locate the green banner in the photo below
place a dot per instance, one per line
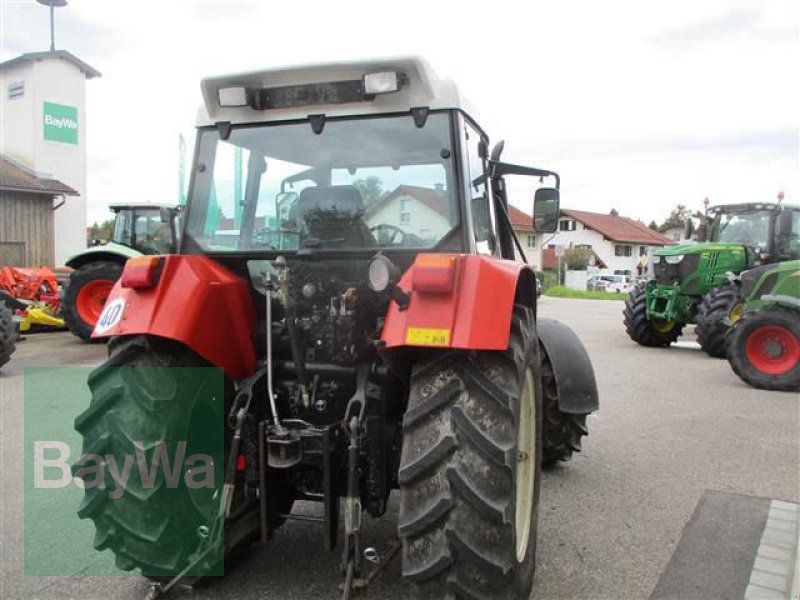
(60, 123)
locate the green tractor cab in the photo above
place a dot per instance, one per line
(689, 282)
(139, 229)
(763, 344)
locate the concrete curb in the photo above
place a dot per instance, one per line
(776, 570)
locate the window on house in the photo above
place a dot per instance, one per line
(531, 240)
(642, 250)
(676, 237)
(566, 225)
(584, 246)
(405, 213)
(16, 90)
(623, 250)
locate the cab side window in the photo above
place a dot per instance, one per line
(478, 194)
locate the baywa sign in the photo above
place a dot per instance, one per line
(60, 123)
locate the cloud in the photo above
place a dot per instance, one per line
(732, 24)
(763, 145)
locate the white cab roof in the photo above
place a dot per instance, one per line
(423, 88)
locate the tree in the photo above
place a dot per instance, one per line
(653, 225)
(101, 231)
(371, 189)
(677, 217)
(577, 259)
(614, 212)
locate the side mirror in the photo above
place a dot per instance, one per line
(546, 204)
(785, 219)
(688, 229)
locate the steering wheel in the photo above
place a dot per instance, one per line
(389, 235)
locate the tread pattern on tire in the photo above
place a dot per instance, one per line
(457, 470)
(737, 342)
(145, 528)
(92, 271)
(561, 432)
(8, 334)
(640, 328)
(711, 326)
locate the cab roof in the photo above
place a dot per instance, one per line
(421, 87)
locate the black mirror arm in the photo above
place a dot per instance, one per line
(499, 169)
(507, 223)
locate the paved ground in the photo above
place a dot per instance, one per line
(673, 424)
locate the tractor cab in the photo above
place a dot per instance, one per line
(147, 228)
(771, 232)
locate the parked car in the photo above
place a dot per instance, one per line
(610, 283)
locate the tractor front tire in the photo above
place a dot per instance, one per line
(763, 348)
(644, 331)
(711, 319)
(154, 397)
(561, 432)
(8, 334)
(86, 294)
(469, 472)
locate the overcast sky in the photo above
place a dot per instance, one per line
(639, 105)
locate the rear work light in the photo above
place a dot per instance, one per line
(142, 272)
(434, 274)
(385, 82)
(233, 96)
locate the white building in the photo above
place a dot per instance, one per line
(43, 129)
(619, 244)
(420, 211)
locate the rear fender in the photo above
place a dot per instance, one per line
(577, 387)
(195, 301)
(475, 314)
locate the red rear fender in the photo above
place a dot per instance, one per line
(474, 312)
(194, 301)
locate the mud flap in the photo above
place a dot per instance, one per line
(577, 388)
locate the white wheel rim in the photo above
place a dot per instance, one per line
(526, 465)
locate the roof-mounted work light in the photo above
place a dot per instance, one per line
(233, 96)
(384, 82)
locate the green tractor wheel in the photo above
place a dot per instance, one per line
(644, 331)
(764, 348)
(711, 320)
(8, 334)
(158, 395)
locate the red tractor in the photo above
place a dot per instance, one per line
(375, 332)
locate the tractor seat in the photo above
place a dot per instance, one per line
(329, 203)
(333, 214)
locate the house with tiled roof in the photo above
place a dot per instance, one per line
(419, 211)
(619, 244)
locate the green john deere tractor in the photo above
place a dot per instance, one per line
(763, 344)
(690, 284)
(138, 229)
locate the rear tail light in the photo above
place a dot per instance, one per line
(142, 272)
(434, 273)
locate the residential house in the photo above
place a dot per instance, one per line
(419, 211)
(619, 244)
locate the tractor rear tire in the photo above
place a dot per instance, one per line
(711, 314)
(469, 471)
(644, 331)
(773, 367)
(154, 527)
(86, 294)
(8, 334)
(561, 432)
